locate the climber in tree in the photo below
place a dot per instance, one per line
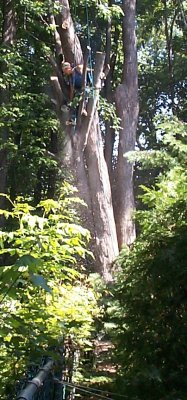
(73, 78)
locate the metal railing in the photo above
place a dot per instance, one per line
(37, 382)
(47, 384)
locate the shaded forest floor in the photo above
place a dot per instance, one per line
(99, 374)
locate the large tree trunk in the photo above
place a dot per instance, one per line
(127, 108)
(106, 246)
(87, 157)
(90, 144)
(8, 35)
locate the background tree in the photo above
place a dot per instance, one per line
(8, 36)
(150, 306)
(154, 81)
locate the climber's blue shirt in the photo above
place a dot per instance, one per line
(76, 79)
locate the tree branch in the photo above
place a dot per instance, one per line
(69, 40)
(92, 103)
(58, 44)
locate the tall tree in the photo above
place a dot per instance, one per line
(87, 147)
(8, 36)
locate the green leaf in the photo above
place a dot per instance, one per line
(28, 261)
(39, 280)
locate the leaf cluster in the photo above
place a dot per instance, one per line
(44, 293)
(149, 308)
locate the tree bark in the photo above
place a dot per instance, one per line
(69, 40)
(127, 107)
(8, 36)
(89, 141)
(110, 133)
(106, 246)
(9, 25)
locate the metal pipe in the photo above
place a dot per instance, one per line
(36, 383)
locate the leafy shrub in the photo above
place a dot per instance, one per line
(45, 294)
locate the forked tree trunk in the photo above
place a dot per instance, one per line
(87, 158)
(127, 108)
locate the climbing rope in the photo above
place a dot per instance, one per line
(89, 42)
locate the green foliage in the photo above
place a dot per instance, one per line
(44, 294)
(108, 113)
(156, 87)
(166, 133)
(108, 12)
(27, 117)
(149, 307)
